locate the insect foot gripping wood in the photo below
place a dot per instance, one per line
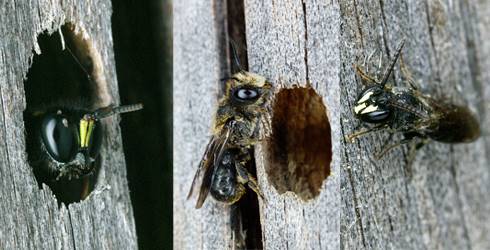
(300, 148)
(64, 119)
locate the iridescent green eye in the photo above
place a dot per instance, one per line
(59, 137)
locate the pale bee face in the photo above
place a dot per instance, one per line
(246, 89)
(371, 105)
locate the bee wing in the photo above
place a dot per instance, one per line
(207, 166)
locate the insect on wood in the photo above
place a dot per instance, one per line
(241, 121)
(409, 111)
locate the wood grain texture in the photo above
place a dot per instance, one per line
(197, 70)
(30, 218)
(440, 201)
(295, 43)
(199, 64)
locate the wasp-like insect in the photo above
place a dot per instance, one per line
(240, 122)
(67, 139)
(64, 128)
(409, 111)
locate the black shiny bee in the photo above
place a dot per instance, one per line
(409, 111)
(66, 140)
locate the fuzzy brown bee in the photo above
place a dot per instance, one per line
(241, 121)
(411, 112)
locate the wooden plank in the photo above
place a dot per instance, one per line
(365, 203)
(292, 43)
(198, 67)
(30, 217)
(437, 202)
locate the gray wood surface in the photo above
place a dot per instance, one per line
(440, 202)
(29, 217)
(292, 43)
(197, 70)
(287, 221)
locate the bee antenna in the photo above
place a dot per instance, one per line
(390, 69)
(234, 52)
(65, 45)
(111, 110)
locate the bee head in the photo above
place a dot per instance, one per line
(73, 137)
(372, 105)
(245, 88)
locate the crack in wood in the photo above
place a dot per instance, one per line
(71, 228)
(359, 27)
(351, 182)
(356, 207)
(452, 170)
(248, 207)
(305, 24)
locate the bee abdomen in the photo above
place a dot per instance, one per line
(225, 186)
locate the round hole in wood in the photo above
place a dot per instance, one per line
(299, 150)
(66, 75)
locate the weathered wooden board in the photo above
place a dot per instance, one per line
(197, 72)
(30, 218)
(292, 43)
(440, 202)
(287, 221)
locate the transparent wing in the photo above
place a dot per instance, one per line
(207, 166)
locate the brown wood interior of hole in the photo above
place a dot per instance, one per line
(300, 148)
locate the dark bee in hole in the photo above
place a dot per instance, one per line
(241, 120)
(411, 112)
(63, 120)
(68, 139)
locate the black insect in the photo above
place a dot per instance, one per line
(241, 120)
(66, 139)
(409, 111)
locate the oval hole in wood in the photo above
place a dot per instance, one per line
(58, 78)
(299, 151)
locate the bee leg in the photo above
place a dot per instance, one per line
(236, 224)
(365, 78)
(367, 59)
(266, 127)
(380, 63)
(252, 184)
(246, 178)
(390, 147)
(350, 138)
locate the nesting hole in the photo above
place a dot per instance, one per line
(59, 78)
(299, 151)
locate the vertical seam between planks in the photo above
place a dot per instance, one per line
(305, 24)
(72, 230)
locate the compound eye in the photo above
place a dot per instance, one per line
(377, 116)
(246, 94)
(59, 138)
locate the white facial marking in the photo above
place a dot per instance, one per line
(359, 107)
(369, 109)
(365, 97)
